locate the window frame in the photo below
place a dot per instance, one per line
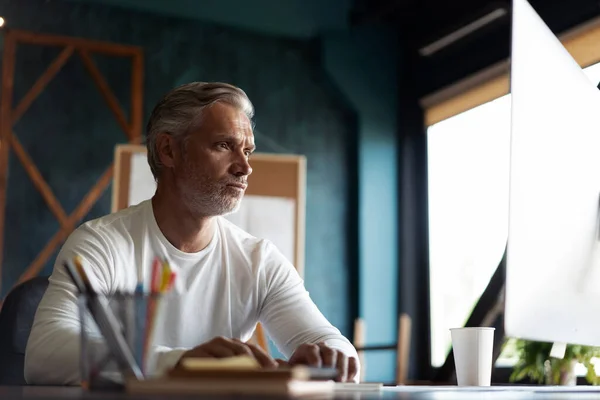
(489, 84)
(493, 82)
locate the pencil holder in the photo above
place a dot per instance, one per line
(116, 337)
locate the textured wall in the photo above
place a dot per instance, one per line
(351, 61)
(70, 133)
(292, 18)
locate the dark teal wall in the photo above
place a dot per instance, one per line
(332, 99)
(364, 65)
(70, 132)
(291, 18)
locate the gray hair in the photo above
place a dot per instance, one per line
(179, 111)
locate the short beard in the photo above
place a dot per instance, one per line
(204, 197)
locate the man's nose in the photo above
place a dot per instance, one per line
(242, 166)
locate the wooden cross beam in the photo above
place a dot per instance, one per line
(9, 117)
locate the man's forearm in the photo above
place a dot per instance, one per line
(53, 361)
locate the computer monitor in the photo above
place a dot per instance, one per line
(553, 258)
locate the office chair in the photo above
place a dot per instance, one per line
(16, 319)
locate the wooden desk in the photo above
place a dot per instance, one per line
(399, 393)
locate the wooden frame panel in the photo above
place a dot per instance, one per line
(283, 176)
(132, 127)
(492, 83)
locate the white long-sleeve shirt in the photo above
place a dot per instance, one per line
(223, 290)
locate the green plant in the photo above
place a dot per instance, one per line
(534, 362)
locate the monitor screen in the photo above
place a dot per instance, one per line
(553, 262)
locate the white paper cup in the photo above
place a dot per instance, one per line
(473, 348)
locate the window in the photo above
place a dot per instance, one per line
(468, 158)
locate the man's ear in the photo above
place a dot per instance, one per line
(167, 150)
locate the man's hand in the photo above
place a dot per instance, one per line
(320, 355)
(221, 347)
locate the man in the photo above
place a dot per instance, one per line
(200, 141)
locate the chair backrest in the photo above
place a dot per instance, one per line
(16, 319)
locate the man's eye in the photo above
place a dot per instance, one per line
(224, 145)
